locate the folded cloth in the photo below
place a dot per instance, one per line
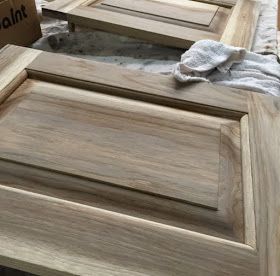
(221, 64)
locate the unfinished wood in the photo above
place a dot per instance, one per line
(65, 5)
(249, 211)
(226, 3)
(122, 142)
(138, 27)
(168, 22)
(192, 12)
(73, 120)
(139, 85)
(223, 139)
(191, 4)
(89, 241)
(264, 124)
(241, 26)
(61, 7)
(216, 25)
(219, 21)
(165, 22)
(12, 65)
(185, 13)
(230, 176)
(218, 223)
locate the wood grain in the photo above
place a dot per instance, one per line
(230, 184)
(222, 221)
(192, 4)
(65, 5)
(225, 3)
(54, 127)
(249, 207)
(121, 142)
(264, 125)
(219, 22)
(217, 223)
(138, 27)
(59, 8)
(12, 66)
(241, 26)
(201, 97)
(184, 12)
(89, 241)
(166, 22)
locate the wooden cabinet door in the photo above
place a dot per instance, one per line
(176, 23)
(107, 171)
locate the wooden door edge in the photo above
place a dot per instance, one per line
(241, 26)
(12, 69)
(18, 251)
(264, 127)
(221, 3)
(248, 197)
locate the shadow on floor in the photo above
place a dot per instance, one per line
(4, 271)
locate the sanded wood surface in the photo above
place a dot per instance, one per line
(223, 223)
(189, 13)
(249, 211)
(190, 3)
(138, 27)
(241, 26)
(61, 7)
(226, 3)
(169, 22)
(161, 21)
(12, 68)
(165, 90)
(122, 142)
(74, 144)
(264, 124)
(89, 241)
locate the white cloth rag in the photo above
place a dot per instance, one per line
(221, 64)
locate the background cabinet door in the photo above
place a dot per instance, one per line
(173, 23)
(129, 173)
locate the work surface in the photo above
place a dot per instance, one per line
(135, 54)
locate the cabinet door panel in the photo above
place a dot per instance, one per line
(199, 15)
(119, 141)
(133, 174)
(169, 22)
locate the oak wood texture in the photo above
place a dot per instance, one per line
(92, 241)
(60, 8)
(85, 74)
(130, 150)
(186, 12)
(64, 110)
(117, 131)
(169, 22)
(12, 68)
(241, 26)
(249, 213)
(139, 27)
(226, 3)
(264, 124)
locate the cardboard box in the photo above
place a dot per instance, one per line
(19, 22)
